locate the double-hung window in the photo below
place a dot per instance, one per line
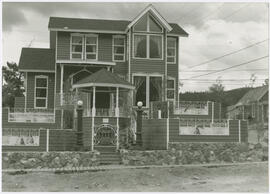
(84, 46)
(171, 50)
(170, 89)
(76, 46)
(91, 46)
(41, 91)
(118, 48)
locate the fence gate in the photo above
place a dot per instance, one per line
(105, 135)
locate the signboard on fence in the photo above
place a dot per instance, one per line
(202, 130)
(20, 137)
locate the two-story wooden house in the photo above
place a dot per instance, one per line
(108, 64)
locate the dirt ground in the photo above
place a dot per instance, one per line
(244, 178)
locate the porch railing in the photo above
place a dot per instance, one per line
(31, 115)
(107, 112)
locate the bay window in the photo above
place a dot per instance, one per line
(118, 48)
(41, 91)
(170, 89)
(171, 50)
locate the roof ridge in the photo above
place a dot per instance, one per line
(90, 18)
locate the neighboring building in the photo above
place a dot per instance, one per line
(253, 106)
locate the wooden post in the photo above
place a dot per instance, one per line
(239, 131)
(47, 140)
(94, 102)
(168, 133)
(61, 84)
(117, 103)
(213, 111)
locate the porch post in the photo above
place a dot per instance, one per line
(61, 83)
(94, 102)
(117, 118)
(117, 103)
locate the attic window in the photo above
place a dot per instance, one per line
(147, 23)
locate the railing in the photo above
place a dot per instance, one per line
(107, 112)
(31, 115)
(191, 108)
(69, 98)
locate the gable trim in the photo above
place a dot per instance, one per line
(91, 31)
(155, 14)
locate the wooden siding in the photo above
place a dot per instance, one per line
(19, 102)
(121, 68)
(31, 89)
(62, 140)
(105, 47)
(52, 39)
(63, 45)
(154, 134)
(87, 132)
(6, 124)
(233, 130)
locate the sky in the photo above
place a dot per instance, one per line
(215, 29)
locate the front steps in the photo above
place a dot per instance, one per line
(108, 155)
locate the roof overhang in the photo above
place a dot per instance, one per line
(87, 31)
(155, 13)
(37, 70)
(86, 62)
(103, 85)
(177, 35)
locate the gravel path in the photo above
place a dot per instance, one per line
(244, 178)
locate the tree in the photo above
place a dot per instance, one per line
(266, 82)
(12, 85)
(217, 89)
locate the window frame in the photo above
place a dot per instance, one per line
(253, 110)
(85, 53)
(147, 76)
(148, 45)
(148, 25)
(35, 92)
(71, 44)
(170, 89)
(175, 48)
(113, 45)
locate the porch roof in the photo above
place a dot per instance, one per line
(103, 78)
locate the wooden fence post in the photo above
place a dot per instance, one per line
(239, 131)
(47, 140)
(168, 133)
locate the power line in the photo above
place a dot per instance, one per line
(207, 70)
(231, 53)
(251, 61)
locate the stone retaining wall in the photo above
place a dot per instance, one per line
(197, 153)
(26, 160)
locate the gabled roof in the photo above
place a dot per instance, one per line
(96, 25)
(103, 78)
(37, 59)
(253, 95)
(155, 13)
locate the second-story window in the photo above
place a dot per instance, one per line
(91, 47)
(77, 47)
(118, 48)
(148, 46)
(171, 50)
